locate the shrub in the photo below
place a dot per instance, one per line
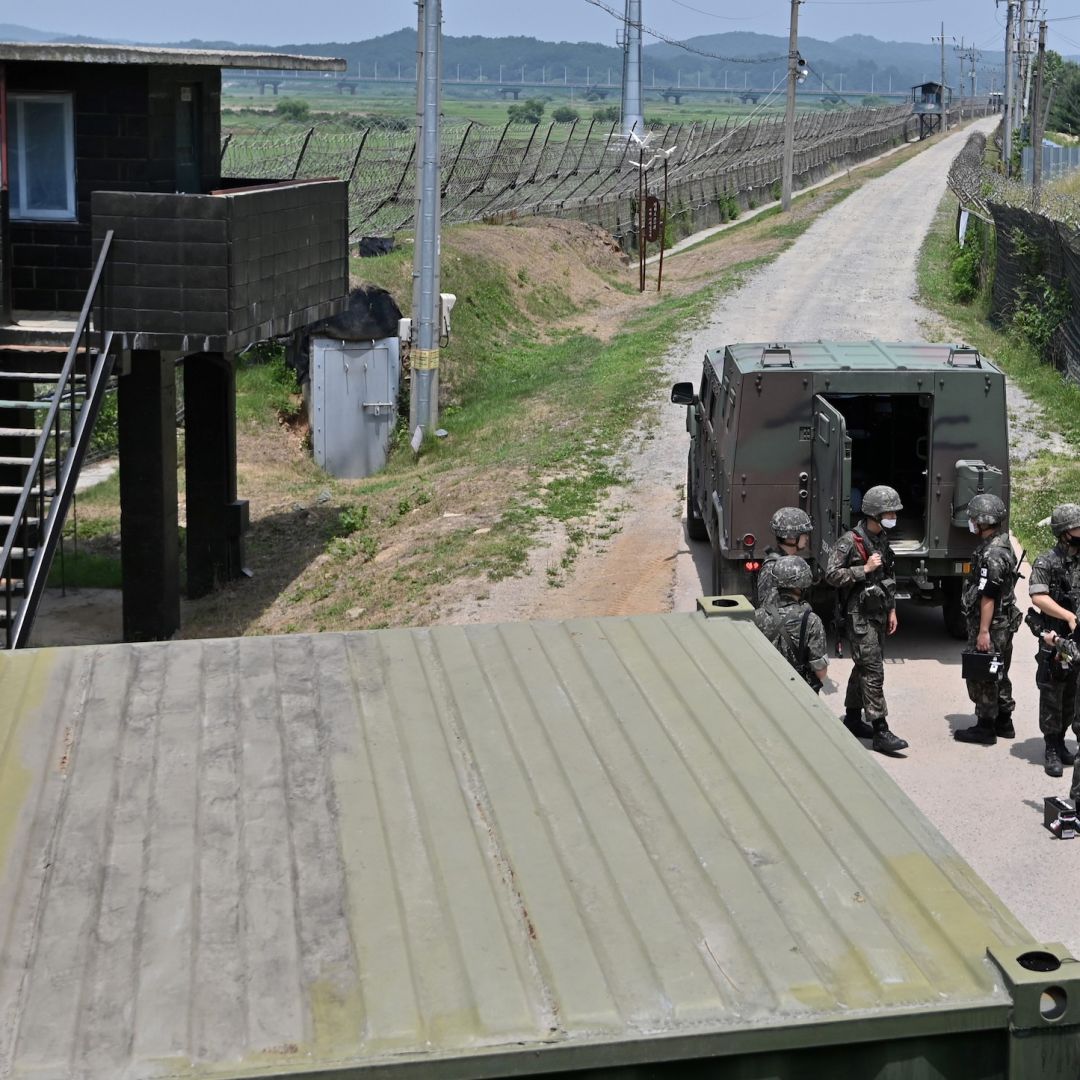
(607, 114)
(106, 434)
(966, 263)
(565, 115)
(528, 111)
(293, 109)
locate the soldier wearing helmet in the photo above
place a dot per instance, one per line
(989, 606)
(792, 528)
(861, 567)
(789, 623)
(1054, 587)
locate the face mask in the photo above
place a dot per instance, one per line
(973, 527)
(1073, 541)
(888, 523)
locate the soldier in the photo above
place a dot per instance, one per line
(792, 528)
(789, 623)
(989, 605)
(1054, 587)
(861, 567)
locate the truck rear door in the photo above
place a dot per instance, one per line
(830, 477)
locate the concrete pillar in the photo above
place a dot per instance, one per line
(149, 533)
(216, 520)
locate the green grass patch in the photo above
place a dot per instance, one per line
(105, 494)
(1050, 478)
(85, 570)
(266, 389)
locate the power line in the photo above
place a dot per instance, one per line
(684, 45)
(866, 3)
(712, 14)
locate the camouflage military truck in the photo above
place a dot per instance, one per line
(814, 424)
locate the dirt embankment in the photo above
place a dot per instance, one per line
(563, 278)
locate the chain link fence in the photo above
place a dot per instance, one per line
(1036, 271)
(584, 169)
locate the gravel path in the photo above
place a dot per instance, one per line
(851, 275)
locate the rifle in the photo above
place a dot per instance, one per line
(1065, 651)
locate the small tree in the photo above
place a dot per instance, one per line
(564, 115)
(528, 111)
(293, 109)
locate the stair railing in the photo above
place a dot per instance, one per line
(85, 341)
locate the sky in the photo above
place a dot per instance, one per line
(980, 22)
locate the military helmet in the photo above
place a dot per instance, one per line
(1065, 517)
(791, 521)
(792, 572)
(881, 499)
(986, 510)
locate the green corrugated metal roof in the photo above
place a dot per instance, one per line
(859, 355)
(607, 840)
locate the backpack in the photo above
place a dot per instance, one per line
(771, 624)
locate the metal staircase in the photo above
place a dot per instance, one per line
(42, 446)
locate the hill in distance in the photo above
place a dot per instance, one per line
(856, 62)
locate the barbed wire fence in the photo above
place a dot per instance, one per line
(1036, 249)
(582, 169)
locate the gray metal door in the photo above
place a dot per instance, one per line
(830, 482)
(354, 398)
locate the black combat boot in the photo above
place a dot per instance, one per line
(1003, 726)
(1067, 757)
(885, 742)
(854, 722)
(981, 732)
(1053, 766)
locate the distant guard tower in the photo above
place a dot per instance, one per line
(930, 101)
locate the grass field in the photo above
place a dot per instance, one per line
(479, 106)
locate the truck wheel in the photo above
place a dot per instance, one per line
(695, 523)
(955, 623)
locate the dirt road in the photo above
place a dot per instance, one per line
(851, 275)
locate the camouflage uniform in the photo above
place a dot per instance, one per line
(1056, 572)
(867, 601)
(781, 622)
(993, 574)
(766, 579)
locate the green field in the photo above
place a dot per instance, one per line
(246, 111)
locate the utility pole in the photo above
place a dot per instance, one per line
(1007, 101)
(427, 314)
(632, 117)
(794, 66)
(1037, 119)
(1021, 65)
(944, 104)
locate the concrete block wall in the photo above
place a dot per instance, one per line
(125, 140)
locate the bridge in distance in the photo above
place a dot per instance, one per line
(274, 80)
